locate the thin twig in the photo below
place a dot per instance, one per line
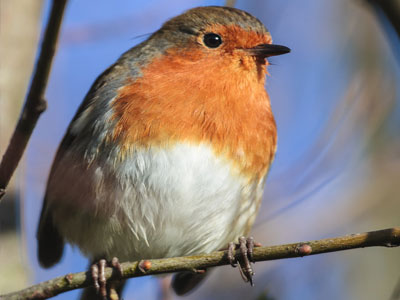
(386, 238)
(35, 103)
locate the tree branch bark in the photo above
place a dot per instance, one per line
(385, 238)
(35, 103)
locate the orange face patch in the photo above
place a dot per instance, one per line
(235, 37)
(199, 96)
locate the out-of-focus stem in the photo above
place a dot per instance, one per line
(35, 103)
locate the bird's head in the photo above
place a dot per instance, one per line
(221, 36)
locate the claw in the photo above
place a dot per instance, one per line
(246, 247)
(231, 256)
(247, 270)
(99, 276)
(102, 278)
(116, 265)
(94, 269)
(250, 248)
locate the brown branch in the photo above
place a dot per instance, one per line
(35, 103)
(386, 238)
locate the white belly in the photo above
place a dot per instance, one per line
(156, 203)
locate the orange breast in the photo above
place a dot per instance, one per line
(189, 96)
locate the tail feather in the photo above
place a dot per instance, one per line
(185, 282)
(50, 242)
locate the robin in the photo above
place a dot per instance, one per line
(169, 151)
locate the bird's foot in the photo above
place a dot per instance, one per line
(245, 246)
(99, 277)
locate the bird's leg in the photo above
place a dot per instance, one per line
(99, 277)
(245, 247)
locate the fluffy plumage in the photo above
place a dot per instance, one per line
(168, 153)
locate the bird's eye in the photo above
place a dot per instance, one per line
(212, 40)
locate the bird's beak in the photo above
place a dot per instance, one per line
(267, 50)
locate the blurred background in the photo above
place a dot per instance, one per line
(336, 99)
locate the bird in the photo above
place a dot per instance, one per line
(169, 151)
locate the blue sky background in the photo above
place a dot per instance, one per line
(336, 105)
